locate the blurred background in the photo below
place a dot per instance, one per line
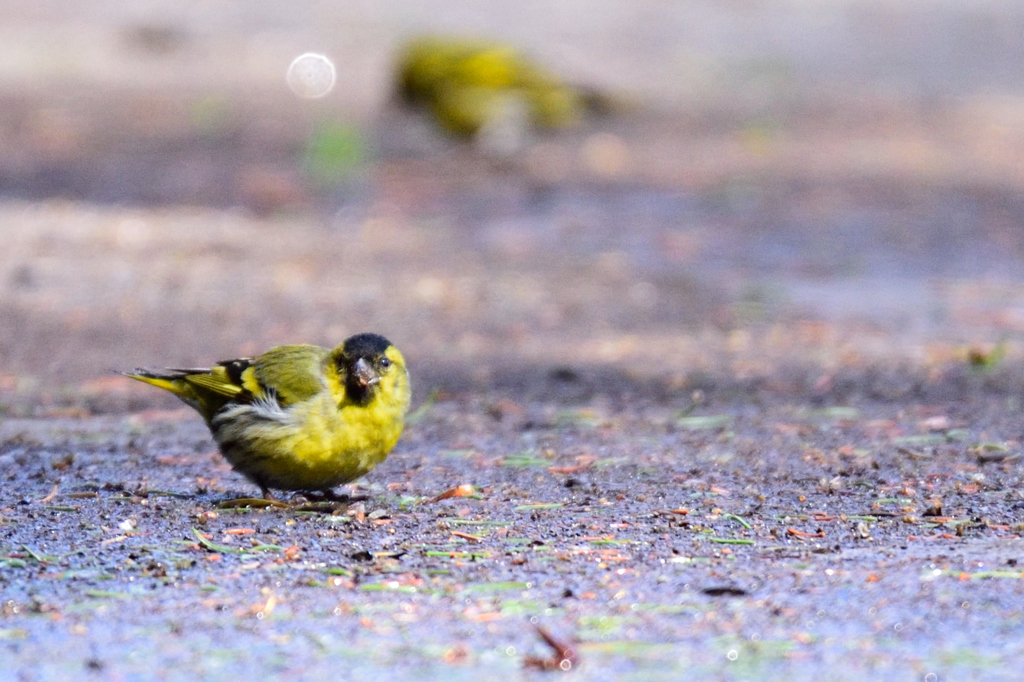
(820, 184)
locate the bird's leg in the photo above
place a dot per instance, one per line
(267, 495)
(332, 496)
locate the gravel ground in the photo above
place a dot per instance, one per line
(764, 533)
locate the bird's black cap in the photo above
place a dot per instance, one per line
(365, 345)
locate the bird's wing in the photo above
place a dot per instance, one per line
(289, 373)
(286, 375)
(217, 380)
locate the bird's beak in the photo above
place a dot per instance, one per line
(365, 374)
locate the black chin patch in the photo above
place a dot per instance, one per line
(358, 393)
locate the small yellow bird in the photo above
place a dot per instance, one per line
(300, 417)
(467, 84)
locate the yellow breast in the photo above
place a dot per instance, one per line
(316, 444)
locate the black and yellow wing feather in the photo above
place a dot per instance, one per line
(286, 374)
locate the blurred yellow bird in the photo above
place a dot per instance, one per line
(468, 84)
(300, 417)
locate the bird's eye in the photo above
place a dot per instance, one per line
(385, 362)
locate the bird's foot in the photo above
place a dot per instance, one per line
(328, 496)
(320, 500)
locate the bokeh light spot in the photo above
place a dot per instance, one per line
(311, 75)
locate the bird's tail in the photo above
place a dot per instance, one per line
(173, 380)
(202, 388)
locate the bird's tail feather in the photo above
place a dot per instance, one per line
(172, 380)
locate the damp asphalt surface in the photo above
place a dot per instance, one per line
(724, 391)
(739, 468)
(863, 532)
